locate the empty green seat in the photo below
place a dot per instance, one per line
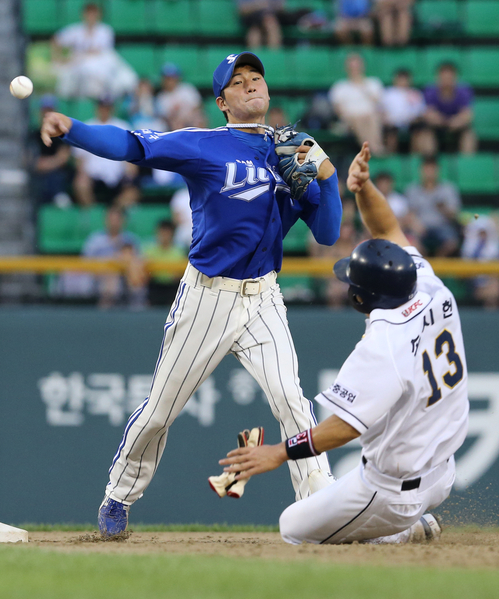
(142, 58)
(486, 121)
(477, 174)
(481, 67)
(83, 109)
(214, 115)
(64, 231)
(312, 67)
(191, 61)
(296, 240)
(175, 17)
(278, 68)
(129, 16)
(143, 220)
(482, 18)
(217, 17)
(436, 13)
(41, 17)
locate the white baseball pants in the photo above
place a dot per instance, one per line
(206, 322)
(364, 505)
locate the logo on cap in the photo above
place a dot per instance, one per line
(231, 58)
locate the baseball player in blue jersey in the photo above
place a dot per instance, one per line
(245, 196)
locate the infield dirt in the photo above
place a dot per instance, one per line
(456, 549)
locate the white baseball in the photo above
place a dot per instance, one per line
(21, 87)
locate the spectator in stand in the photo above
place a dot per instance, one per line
(86, 62)
(115, 242)
(178, 103)
(403, 108)
(481, 242)
(411, 226)
(141, 108)
(259, 17)
(437, 205)
(354, 16)
(163, 286)
(449, 114)
(180, 206)
(357, 102)
(52, 171)
(99, 179)
(395, 21)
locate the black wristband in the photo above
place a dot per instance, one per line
(300, 446)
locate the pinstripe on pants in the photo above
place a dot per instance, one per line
(203, 326)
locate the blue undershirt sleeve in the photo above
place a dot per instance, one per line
(323, 210)
(106, 141)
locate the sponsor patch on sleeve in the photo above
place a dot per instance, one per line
(341, 392)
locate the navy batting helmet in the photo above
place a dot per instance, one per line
(380, 273)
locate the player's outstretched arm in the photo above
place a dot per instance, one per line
(106, 141)
(373, 206)
(248, 461)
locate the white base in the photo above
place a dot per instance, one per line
(11, 534)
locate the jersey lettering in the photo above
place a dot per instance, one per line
(251, 176)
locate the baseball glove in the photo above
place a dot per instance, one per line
(225, 484)
(297, 176)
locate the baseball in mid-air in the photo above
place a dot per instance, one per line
(21, 87)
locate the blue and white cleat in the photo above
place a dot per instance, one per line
(113, 517)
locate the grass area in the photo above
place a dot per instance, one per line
(42, 574)
(194, 527)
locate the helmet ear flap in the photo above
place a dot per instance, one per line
(357, 298)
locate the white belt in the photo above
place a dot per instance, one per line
(245, 287)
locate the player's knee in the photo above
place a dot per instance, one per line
(288, 528)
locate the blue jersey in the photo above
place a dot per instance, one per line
(241, 207)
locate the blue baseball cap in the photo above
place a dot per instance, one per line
(223, 73)
(169, 69)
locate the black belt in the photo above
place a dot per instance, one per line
(407, 485)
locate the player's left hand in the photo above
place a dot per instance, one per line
(358, 173)
(248, 461)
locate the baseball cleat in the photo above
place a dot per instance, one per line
(318, 479)
(113, 517)
(427, 528)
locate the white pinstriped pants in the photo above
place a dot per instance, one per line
(203, 326)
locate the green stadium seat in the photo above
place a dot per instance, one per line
(432, 57)
(279, 68)
(215, 116)
(129, 16)
(217, 17)
(397, 166)
(486, 119)
(477, 174)
(191, 61)
(83, 109)
(296, 240)
(294, 108)
(435, 14)
(312, 67)
(41, 17)
(71, 10)
(174, 17)
(482, 18)
(142, 57)
(143, 220)
(481, 67)
(389, 61)
(64, 231)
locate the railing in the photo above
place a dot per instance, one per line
(291, 266)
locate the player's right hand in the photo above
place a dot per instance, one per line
(358, 173)
(54, 124)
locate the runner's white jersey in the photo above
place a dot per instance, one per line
(404, 387)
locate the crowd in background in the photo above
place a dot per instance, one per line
(394, 119)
